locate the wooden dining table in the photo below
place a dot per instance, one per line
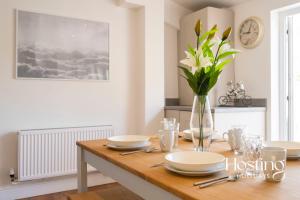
(134, 172)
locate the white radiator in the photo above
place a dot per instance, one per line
(46, 153)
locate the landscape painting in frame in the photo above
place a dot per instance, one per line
(61, 48)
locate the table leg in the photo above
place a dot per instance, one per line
(81, 170)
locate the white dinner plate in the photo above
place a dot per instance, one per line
(122, 148)
(198, 173)
(128, 140)
(292, 148)
(187, 134)
(194, 161)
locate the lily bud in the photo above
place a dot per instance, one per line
(213, 31)
(198, 28)
(226, 34)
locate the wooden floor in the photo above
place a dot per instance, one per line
(113, 191)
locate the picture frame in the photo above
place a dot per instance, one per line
(50, 47)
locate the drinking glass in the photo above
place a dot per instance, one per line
(167, 123)
(168, 135)
(235, 136)
(274, 163)
(166, 140)
(252, 145)
(176, 134)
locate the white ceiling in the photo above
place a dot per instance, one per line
(198, 4)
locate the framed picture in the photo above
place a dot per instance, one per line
(61, 48)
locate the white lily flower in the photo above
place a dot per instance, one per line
(225, 48)
(196, 61)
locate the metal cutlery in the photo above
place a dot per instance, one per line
(210, 180)
(148, 150)
(231, 178)
(157, 165)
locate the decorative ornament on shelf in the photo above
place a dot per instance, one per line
(236, 93)
(202, 67)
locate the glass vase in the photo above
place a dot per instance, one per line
(201, 123)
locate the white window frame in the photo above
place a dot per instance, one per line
(286, 131)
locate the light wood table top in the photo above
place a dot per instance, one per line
(182, 186)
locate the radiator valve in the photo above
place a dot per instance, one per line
(12, 175)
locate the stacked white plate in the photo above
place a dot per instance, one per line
(187, 134)
(292, 148)
(192, 163)
(128, 142)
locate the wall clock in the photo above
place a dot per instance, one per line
(251, 32)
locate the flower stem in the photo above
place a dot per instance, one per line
(217, 54)
(201, 115)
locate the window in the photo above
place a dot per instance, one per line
(289, 74)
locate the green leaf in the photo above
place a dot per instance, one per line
(204, 88)
(187, 73)
(207, 69)
(228, 53)
(191, 51)
(203, 37)
(211, 45)
(220, 66)
(189, 76)
(209, 52)
(203, 82)
(225, 42)
(213, 79)
(193, 85)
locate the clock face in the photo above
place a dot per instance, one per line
(250, 32)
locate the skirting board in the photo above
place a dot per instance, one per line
(47, 186)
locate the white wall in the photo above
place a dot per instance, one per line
(151, 82)
(154, 64)
(171, 62)
(27, 104)
(173, 14)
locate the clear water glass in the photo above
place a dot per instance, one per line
(235, 138)
(167, 123)
(176, 134)
(168, 135)
(166, 140)
(252, 145)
